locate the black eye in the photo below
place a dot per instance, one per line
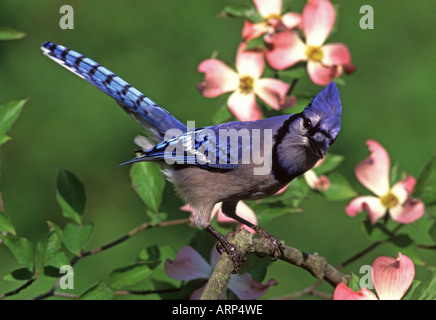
(307, 123)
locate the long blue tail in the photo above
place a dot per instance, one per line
(144, 110)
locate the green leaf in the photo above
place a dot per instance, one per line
(271, 212)
(332, 161)
(148, 183)
(409, 293)
(57, 260)
(425, 188)
(129, 275)
(10, 34)
(168, 291)
(302, 102)
(249, 13)
(77, 237)
(202, 242)
(340, 188)
(297, 190)
(6, 225)
(52, 243)
(157, 253)
(22, 274)
(404, 244)
(291, 74)
(354, 282)
(222, 115)
(256, 266)
(99, 291)
(426, 290)
(71, 195)
(22, 249)
(432, 232)
(52, 272)
(156, 217)
(376, 232)
(256, 44)
(9, 113)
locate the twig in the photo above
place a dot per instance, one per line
(309, 291)
(16, 291)
(134, 231)
(360, 254)
(426, 246)
(145, 292)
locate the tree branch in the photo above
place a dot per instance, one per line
(246, 243)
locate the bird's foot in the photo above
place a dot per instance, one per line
(275, 245)
(235, 255)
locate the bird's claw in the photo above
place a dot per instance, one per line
(235, 255)
(275, 245)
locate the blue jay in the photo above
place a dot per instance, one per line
(207, 165)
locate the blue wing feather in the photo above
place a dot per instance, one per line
(198, 152)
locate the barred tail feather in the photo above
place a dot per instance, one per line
(144, 110)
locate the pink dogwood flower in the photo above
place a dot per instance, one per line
(391, 277)
(245, 84)
(320, 183)
(324, 61)
(242, 209)
(373, 173)
(190, 265)
(271, 11)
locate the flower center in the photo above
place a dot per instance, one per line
(246, 84)
(314, 53)
(273, 16)
(389, 200)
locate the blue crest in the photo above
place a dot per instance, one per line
(327, 105)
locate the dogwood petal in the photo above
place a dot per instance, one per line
(272, 91)
(214, 256)
(219, 78)
(322, 75)
(287, 49)
(373, 172)
(407, 184)
(343, 292)
(282, 189)
(249, 62)
(392, 276)
(317, 21)
(409, 212)
(244, 106)
(246, 288)
(336, 54)
(253, 30)
(268, 7)
(188, 208)
(320, 183)
(291, 20)
(188, 265)
(196, 294)
(370, 204)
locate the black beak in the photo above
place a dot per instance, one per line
(315, 148)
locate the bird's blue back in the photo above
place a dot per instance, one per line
(148, 113)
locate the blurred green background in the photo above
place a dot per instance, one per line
(156, 46)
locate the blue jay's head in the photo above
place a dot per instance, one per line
(320, 122)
